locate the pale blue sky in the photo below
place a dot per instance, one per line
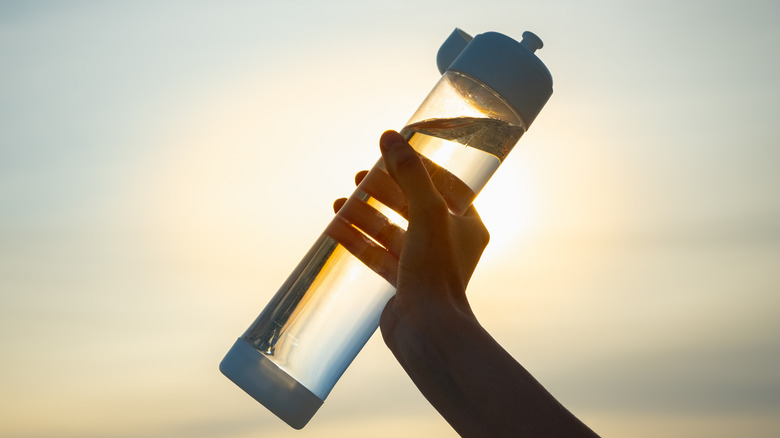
(163, 166)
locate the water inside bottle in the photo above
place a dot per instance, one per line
(470, 149)
(330, 305)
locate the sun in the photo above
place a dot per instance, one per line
(508, 206)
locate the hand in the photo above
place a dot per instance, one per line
(477, 386)
(439, 248)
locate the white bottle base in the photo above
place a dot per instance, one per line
(259, 377)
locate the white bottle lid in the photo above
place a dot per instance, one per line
(509, 67)
(267, 383)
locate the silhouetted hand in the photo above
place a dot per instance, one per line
(429, 326)
(459, 240)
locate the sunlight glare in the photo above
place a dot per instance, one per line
(508, 206)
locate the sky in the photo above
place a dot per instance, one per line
(164, 165)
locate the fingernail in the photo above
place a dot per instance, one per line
(390, 140)
(392, 145)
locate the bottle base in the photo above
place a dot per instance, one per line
(259, 377)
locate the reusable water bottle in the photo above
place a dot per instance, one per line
(289, 359)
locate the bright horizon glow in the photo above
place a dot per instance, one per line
(163, 169)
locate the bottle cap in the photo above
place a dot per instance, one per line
(453, 45)
(509, 67)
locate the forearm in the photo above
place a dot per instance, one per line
(474, 383)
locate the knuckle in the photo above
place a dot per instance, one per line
(406, 162)
(438, 206)
(484, 236)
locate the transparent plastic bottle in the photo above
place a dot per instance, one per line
(292, 355)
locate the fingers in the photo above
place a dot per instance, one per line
(457, 194)
(376, 225)
(360, 176)
(380, 185)
(364, 249)
(357, 223)
(338, 203)
(415, 187)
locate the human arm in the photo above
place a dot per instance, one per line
(476, 385)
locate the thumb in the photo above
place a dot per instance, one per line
(407, 169)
